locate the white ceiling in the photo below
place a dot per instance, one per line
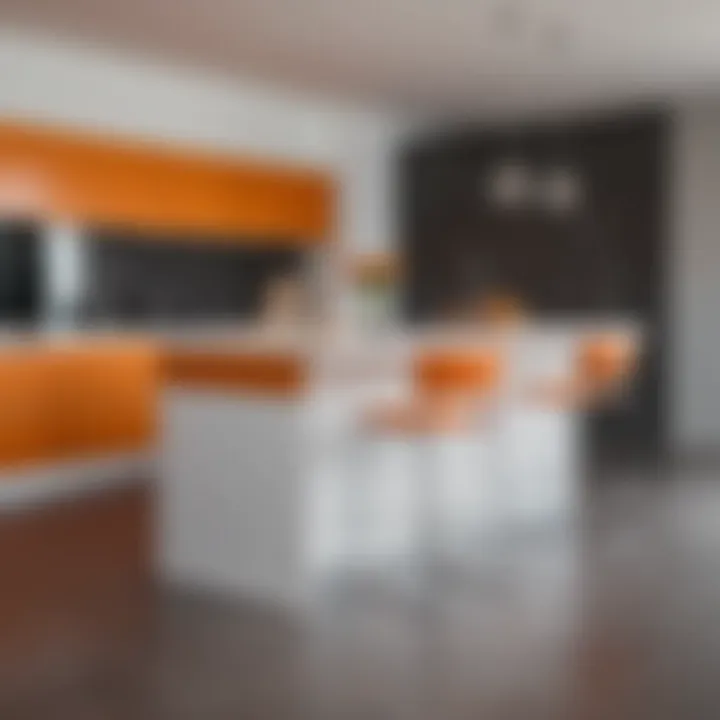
(435, 55)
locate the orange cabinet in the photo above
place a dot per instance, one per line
(65, 402)
(27, 414)
(120, 182)
(106, 398)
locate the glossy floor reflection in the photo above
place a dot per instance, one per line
(618, 621)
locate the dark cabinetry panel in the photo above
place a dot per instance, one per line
(603, 258)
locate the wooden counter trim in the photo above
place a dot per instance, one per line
(109, 180)
(267, 373)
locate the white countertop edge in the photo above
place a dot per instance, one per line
(312, 340)
(38, 485)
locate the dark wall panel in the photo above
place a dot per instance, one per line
(604, 258)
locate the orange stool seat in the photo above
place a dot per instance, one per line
(447, 387)
(457, 372)
(603, 365)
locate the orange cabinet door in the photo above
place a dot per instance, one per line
(107, 399)
(27, 413)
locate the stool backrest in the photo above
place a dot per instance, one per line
(457, 372)
(606, 360)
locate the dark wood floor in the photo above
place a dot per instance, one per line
(620, 621)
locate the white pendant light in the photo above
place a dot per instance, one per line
(508, 186)
(561, 190)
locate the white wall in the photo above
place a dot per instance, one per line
(695, 274)
(49, 79)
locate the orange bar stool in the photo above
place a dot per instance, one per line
(452, 398)
(607, 365)
(449, 386)
(603, 368)
(542, 437)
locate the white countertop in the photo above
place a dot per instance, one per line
(315, 341)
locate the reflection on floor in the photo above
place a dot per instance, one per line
(617, 621)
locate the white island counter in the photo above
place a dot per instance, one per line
(268, 481)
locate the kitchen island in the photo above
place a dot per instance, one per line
(269, 483)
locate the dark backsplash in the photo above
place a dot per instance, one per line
(133, 278)
(20, 272)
